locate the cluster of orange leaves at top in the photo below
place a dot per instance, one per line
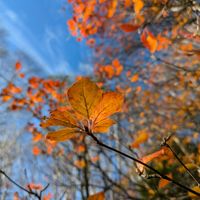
(88, 20)
(84, 12)
(90, 111)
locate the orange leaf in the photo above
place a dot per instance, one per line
(102, 1)
(112, 8)
(141, 137)
(21, 75)
(6, 98)
(16, 196)
(80, 163)
(109, 70)
(117, 66)
(149, 41)
(91, 107)
(149, 158)
(127, 3)
(134, 78)
(37, 137)
(80, 149)
(34, 82)
(47, 196)
(84, 95)
(18, 66)
(110, 103)
(63, 134)
(97, 196)
(103, 126)
(14, 89)
(34, 186)
(138, 5)
(164, 182)
(36, 151)
(195, 188)
(59, 118)
(129, 27)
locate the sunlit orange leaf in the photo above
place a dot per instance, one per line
(109, 71)
(50, 145)
(193, 196)
(72, 27)
(14, 89)
(149, 158)
(6, 98)
(16, 196)
(134, 78)
(34, 82)
(138, 89)
(18, 66)
(110, 103)
(36, 151)
(97, 196)
(84, 96)
(164, 182)
(79, 8)
(138, 5)
(80, 148)
(48, 196)
(127, 3)
(37, 137)
(141, 137)
(102, 1)
(117, 66)
(112, 8)
(103, 125)
(80, 163)
(162, 42)
(149, 41)
(129, 27)
(91, 111)
(63, 134)
(34, 186)
(59, 118)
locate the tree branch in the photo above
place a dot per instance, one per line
(142, 163)
(30, 192)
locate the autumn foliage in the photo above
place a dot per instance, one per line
(141, 104)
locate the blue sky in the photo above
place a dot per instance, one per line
(39, 29)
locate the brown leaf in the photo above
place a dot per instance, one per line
(129, 27)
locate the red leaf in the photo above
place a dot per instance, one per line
(129, 27)
(18, 66)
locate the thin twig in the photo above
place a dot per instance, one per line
(19, 186)
(144, 164)
(187, 169)
(30, 191)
